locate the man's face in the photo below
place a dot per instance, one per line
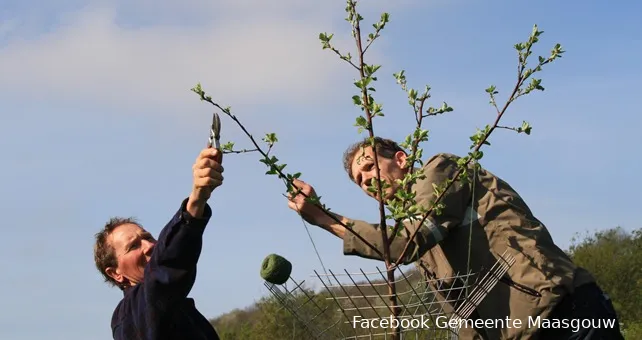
(133, 248)
(364, 171)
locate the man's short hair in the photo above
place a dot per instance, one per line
(104, 253)
(384, 147)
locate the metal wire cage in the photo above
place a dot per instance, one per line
(356, 306)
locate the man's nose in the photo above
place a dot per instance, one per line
(148, 247)
(367, 182)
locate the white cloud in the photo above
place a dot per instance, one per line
(248, 50)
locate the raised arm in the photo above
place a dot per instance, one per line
(171, 271)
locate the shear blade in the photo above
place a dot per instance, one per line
(215, 132)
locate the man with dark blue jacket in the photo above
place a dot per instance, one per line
(156, 276)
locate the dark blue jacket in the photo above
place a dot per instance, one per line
(158, 308)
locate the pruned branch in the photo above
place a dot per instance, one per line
(371, 109)
(481, 138)
(277, 169)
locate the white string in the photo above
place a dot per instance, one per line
(473, 211)
(315, 248)
(307, 230)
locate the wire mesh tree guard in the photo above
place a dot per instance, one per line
(355, 306)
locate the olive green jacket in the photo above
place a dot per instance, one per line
(501, 221)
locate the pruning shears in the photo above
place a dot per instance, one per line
(215, 132)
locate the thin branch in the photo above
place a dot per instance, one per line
(376, 35)
(411, 166)
(366, 106)
(382, 212)
(240, 151)
(345, 58)
(508, 128)
(378, 27)
(459, 171)
(283, 176)
(523, 74)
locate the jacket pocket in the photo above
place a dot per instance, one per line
(520, 287)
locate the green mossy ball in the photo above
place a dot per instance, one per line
(276, 269)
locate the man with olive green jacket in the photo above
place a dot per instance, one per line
(491, 217)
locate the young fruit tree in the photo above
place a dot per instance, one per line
(403, 205)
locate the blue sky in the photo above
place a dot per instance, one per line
(97, 120)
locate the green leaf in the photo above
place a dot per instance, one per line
(228, 146)
(492, 89)
(526, 128)
(361, 122)
(270, 138)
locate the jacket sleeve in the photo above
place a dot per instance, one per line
(435, 228)
(171, 271)
(147, 308)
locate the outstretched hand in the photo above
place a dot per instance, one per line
(208, 175)
(310, 212)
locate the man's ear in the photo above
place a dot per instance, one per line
(400, 159)
(115, 274)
